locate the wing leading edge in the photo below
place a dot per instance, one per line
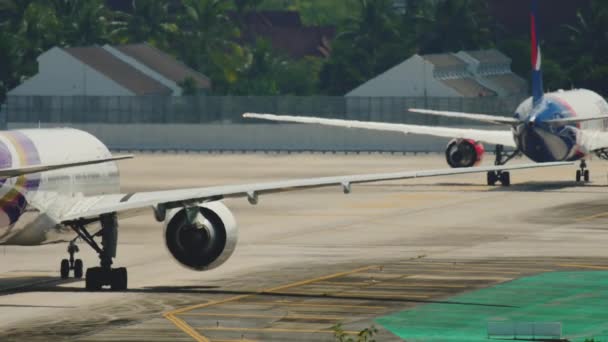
(503, 137)
(70, 209)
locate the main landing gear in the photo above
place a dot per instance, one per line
(104, 275)
(582, 173)
(71, 264)
(501, 159)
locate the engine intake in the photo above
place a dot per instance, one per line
(464, 153)
(201, 238)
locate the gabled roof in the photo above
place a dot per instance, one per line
(164, 64)
(468, 87)
(491, 56)
(118, 71)
(445, 60)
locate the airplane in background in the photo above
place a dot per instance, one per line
(62, 185)
(547, 127)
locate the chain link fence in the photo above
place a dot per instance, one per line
(228, 109)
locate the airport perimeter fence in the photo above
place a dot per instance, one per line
(228, 109)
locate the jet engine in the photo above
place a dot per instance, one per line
(464, 153)
(201, 237)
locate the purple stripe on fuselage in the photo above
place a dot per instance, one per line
(13, 202)
(28, 155)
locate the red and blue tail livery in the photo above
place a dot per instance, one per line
(537, 76)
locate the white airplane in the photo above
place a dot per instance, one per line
(559, 126)
(59, 184)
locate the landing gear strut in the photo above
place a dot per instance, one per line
(71, 263)
(582, 172)
(501, 159)
(104, 275)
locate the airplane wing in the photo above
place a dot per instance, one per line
(24, 170)
(499, 120)
(493, 137)
(65, 210)
(594, 140)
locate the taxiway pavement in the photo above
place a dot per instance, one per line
(308, 260)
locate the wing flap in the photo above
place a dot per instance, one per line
(504, 137)
(498, 120)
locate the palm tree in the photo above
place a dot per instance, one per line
(151, 22)
(207, 40)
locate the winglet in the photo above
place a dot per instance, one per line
(537, 74)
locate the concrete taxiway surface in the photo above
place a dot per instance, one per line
(308, 260)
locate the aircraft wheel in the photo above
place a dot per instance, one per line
(64, 269)
(578, 176)
(505, 179)
(492, 178)
(118, 281)
(94, 281)
(586, 176)
(78, 267)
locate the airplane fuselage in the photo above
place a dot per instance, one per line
(20, 224)
(543, 142)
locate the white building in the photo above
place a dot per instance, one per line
(466, 74)
(127, 70)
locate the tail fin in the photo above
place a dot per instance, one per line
(537, 74)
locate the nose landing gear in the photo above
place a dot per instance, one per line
(582, 173)
(71, 264)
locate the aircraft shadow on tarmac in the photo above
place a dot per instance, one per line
(216, 290)
(535, 186)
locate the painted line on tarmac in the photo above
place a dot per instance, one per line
(592, 217)
(306, 304)
(591, 267)
(302, 317)
(185, 327)
(279, 330)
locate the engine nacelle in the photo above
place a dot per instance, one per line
(464, 153)
(202, 237)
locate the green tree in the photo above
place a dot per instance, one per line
(150, 22)
(366, 45)
(207, 41)
(456, 25)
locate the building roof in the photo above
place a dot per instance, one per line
(164, 64)
(510, 82)
(118, 71)
(468, 87)
(491, 56)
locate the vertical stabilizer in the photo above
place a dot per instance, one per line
(537, 74)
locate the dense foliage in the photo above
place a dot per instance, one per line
(371, 37)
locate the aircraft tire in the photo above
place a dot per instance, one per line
(578, 176)
(64, 270)
(586, 176)
(118, 281)
(78, 267)
(492, 178)
(93, 281)
(505, 179)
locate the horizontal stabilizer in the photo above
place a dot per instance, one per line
(494, 137)
(499, 120)
(24, 170)
(567, 121)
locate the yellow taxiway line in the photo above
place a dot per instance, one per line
(303, 317)
(284, 330)
(185, 327)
